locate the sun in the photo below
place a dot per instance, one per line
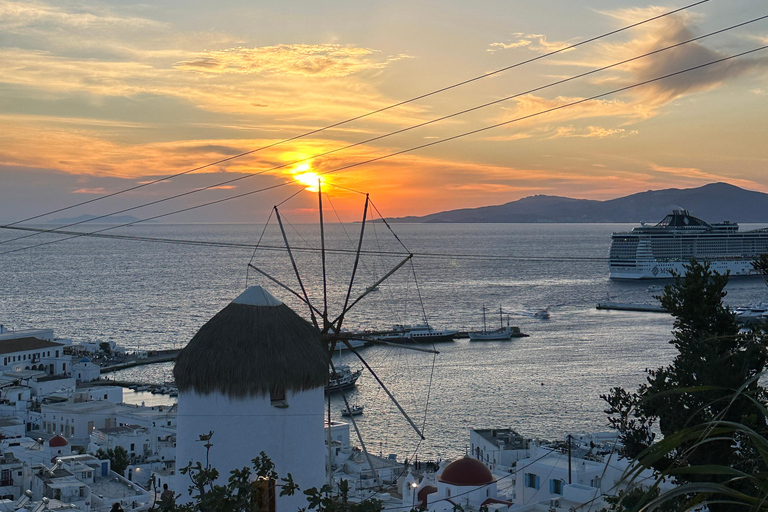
(305, 176)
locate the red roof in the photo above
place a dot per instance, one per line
(425, 491)
(466, 471)
(57, 442)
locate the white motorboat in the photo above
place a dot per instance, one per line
(353, 410)
(417, 334)
(342, 378)
(753, 314)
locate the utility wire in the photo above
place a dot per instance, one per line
(415, 148)
(371, 113)
(239, 245)
(396, 132)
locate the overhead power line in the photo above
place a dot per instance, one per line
(282, 248)
(422, 146)
(336, 150)
(367, 114)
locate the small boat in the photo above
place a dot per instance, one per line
(655, 288)
(354, 410)
(752, 314)
(541, 314)
(417, 334)
(342, 378)
(501, 334)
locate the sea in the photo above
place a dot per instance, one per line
(147, 291)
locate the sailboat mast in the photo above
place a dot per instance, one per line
(322, 253)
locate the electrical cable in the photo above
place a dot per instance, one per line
(422, 146)
(373, 112)
(389, 134)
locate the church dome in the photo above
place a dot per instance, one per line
(57, 441)
(466, 471)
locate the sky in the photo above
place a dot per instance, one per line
(97, 97)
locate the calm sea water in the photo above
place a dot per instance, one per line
(152, 295)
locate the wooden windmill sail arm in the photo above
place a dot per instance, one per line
(357, 256)
(295, 268)
(339, 319)
(359, 437)
(284, 286)
(391, 396)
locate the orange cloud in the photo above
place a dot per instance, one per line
(325, 60)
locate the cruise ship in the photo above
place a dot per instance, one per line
(649, 252)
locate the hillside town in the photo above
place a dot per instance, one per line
(63, 427)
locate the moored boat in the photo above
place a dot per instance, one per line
(353, 410)
(342, 378)
(503, 333)
(417, 334)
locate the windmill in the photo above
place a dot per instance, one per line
(331, 325)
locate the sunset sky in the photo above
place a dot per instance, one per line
(100, 96)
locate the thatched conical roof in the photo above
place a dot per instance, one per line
(253, 346)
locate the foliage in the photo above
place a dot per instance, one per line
(104, 347)
(712, 380)
(250, 489)
(118, 458)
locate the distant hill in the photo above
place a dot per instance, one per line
(715, 202)
(111, 219)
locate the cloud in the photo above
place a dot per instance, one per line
(647, 100)
(97, 190)
(534, 42)
(694, 173)
(323, 60)
(591, 132)
(503, 46)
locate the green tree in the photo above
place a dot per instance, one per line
(252, 488)
(104, 347)
(714, 360)
(118, 458)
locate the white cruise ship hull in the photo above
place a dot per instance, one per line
(664, 270)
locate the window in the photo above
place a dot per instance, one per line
(556, 486)
(531, 480)
(133, 447)
(277, 398)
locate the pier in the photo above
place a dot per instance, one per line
(624, 306)
(155, 356)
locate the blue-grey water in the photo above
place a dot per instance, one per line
(151, 295)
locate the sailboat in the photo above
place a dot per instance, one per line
(503, 333)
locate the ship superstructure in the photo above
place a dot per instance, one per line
(657, 251)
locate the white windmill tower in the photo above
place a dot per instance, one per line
(254, 375)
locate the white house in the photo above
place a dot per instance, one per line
(498, 448)
(85, 370)
(76, 420)
(29, 353)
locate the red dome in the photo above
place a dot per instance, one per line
(57, 442)
(466, 471)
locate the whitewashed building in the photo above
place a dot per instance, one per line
(30, 353)
(85, 370)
